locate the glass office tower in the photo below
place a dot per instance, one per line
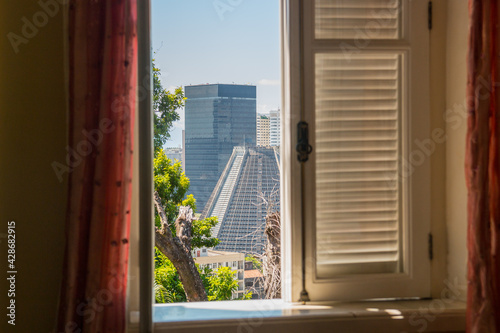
(218, 117)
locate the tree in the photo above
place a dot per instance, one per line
(178, 249)
(165, 106)
(219, 284)
(172, 184)
(175, 241)
(272, 256)
(168, 286)
(177, 278)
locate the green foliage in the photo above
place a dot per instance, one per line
(168, 286)
(257, 263)
(219, 284)
(202, 233)
(190, 201)
(171, 184)
(222, 284)
(162, 295)
(246, 296)
(165, 106)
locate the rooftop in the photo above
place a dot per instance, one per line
(253, 273)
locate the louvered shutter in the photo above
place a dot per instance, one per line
(366, 99)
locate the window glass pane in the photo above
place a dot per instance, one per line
(358, 130)
(357, 19)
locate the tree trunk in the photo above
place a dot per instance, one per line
(272, 257)
(178, 250)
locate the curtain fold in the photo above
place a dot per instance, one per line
(482, 168)
(102, 98)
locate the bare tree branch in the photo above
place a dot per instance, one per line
(272, 256)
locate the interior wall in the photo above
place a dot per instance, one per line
(456, 121)
(438, 157)
(32, 136)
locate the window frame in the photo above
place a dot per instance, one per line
(292, 231)
(143, 141)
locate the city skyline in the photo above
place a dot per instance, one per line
(218, 42)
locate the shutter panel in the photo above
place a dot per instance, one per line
(348, 19)
(357, 148)
(362, 85)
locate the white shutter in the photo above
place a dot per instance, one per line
(358, 129)
(364, 93)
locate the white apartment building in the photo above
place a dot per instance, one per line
(174, 154)
(263, 138)
(215, 259)
(275, 128)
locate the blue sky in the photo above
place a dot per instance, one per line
(218, 41)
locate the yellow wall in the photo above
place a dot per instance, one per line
(438, 162)
(32, 136)
(456, 193)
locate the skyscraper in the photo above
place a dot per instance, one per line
(262, 130)
(218, 118)
(275, 128)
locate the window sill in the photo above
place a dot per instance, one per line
(277, 316)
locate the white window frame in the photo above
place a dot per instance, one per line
(142, 292)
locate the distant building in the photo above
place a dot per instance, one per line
(275, 128)
(174, 153)
(263, 130)
(254, 281)
(215, 259)
(183, 150)
(250, 174)
(218, 118)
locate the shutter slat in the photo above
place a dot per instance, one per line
(359, 197)
(355, 187)
(370, 226)
(387, 4)
(359, 257)
(360, 84)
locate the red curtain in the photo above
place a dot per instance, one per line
(102, 89)
(482, 168)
